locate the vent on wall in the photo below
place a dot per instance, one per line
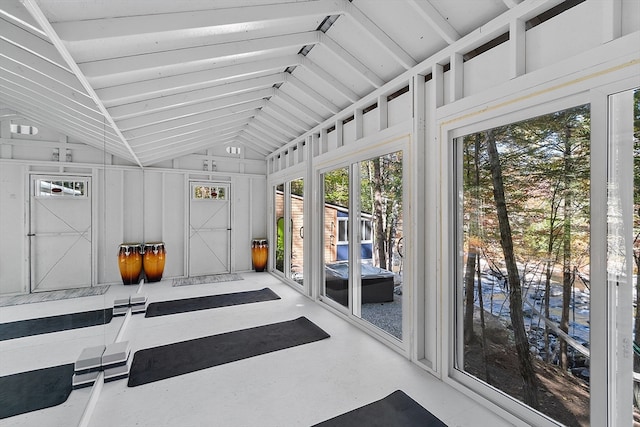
(24, 129)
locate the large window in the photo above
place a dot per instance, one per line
(289, 209)
(363, 232)
(623, 247)
(523, 278)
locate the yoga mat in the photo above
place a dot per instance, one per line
(395, 410)
(158, 363)
(62, 322)
(211, 301)
(34, 390)
(201, 280)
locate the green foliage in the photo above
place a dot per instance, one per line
(545, 161)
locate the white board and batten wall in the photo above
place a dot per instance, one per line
(129, 204)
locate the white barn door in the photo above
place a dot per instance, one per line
(209, 229)
(60, 232)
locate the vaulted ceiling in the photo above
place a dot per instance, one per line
(153, 80)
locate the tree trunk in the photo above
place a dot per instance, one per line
(566, 248)
(530, 383)
(377, 211)
(473, 252)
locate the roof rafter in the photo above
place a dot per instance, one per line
(188, 110)
(163, 86)
(142, 108)
(185, 131)
(194, 119)
(151, 65)
(312, 94)
(430, 14)
(223, 17)
(379, 36)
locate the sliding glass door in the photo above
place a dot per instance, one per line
(380, 233)
(363, 240)
(335, 235)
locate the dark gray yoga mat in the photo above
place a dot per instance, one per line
(164, 308)
(33, 390)
(62, 322)
(158, 363)
(395, 410)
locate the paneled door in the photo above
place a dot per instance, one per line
(209, 229)
(60, 232)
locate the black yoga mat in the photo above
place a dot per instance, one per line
(211, 301)
(158, 363)
(62, 322)
(33, 390)
(395, 410)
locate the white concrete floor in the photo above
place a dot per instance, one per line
(299, 386)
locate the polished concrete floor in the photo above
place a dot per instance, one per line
(298, 386)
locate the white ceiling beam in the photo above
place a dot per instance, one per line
(297, 106)
(184, 131)
(52, 103)
(42, 114)
(315, 96)
(42, 20)
(286, 116)
(351, 61)
(192, 97)
(6, 113)
(189, 148)
(193, 120)
(328, 78)
(269, 120)
(256, 142)
(177, 143)
(269, 129)
(232, 19)
(14, 12)
(379, 36)
(47, 69)
(195, 142)
(188, 110)
(32, 43)
(152, 65)
(430, 14)
(146, 89)
(241, 139)
(71, 98)
(265, 140)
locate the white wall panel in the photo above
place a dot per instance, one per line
(370, 122)
(133, 212)
(349, 132)
(400, 109)
(110, 227)
(574, 31)
(486, 70)
(13, 193)
(173, 234)
(153, 206)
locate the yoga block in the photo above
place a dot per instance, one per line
(135, 309)
(121, 302)
(137, 300)
(116, 373)
(90, 359)
(120, 311)
(84, 380)
(115, 354)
